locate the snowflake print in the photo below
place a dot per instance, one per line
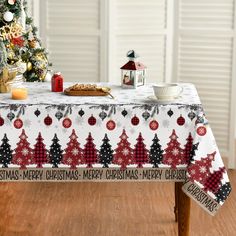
(169, 160)
(125, 152)
(75, 151)
(123, 136)
(175, 151)
(69, 160)
(173, 137)
(120, 160)
(202, 169)
(73, 137)
(19, 161)
(23, 137)
(25, 152)
(193, 172)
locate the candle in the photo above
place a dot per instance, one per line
(19, 93)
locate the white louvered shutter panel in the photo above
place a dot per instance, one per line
(140, 25)
(73, 38)
(205, 30)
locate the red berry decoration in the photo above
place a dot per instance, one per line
(18, 123)
(135, 120)
(1, 121)
(153, 125)
(48, 120)
(67, 123)
(181, 120)
(92, 120)
(201, 130)
(111, 125)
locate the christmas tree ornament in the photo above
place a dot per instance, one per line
(181, 120)
(146, 115)
(18, 123)
(153, 125)
(1, 121)
(48, 120)
(199, 120)
(92, 120)
(90, 152)
(81, 112)
(135, 120)
(124, 113)
(140, 152)
(37, 112)
(40, 152)
(223, 192)
(32, 43)
(55, 152)
(111, 125)
(23, 154)
(73, 153)
(170, 113)
(5, 152)
(200, 169)
(10, 116)
(123, 155)
(57, 82)
(103, 115)
(201, 130)
(8, 16)
(105, 153)
(59, 115)
(67, 123)
(174, 154)
(29, 66)
(156, 152)
(191, 115)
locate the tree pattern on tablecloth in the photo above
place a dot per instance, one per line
(40, 152)
(140, 152)
(187, 149)
(156, 152)
(106, 152)
(223, 192)
(193, 152)
(73, 153)
(90, 152)
(123, 155)
(23, 154)
(5, 152)
(55, 152)
(174, 154)
(200, 169)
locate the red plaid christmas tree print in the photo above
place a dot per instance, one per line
(90, 152)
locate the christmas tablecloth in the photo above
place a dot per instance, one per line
(134, 137)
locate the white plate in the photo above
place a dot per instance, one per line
(167, 99)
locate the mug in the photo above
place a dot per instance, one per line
(167, 90)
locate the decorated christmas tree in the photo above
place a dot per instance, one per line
(174, 154)
(106, 152)
(193, 152)
(187, 149)
(40, 152)
(223, 192)
(123, 153)
(200, 169)
(21, 43)
(5, 152)
(23, 154)
(55, 152)
(73, 153)
(140, 152)
(156, 153)
(90, 152)
(213, 182)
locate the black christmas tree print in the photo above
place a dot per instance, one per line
(55, 152)
(193, 152)
(5, 152)
(106, 152)
(223, 192)
(156, 153)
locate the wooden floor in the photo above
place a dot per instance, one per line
(103, 209)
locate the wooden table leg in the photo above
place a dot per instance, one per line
(176, 203)
(183, 210)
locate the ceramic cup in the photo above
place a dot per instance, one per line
(167, 90)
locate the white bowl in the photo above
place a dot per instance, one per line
(167, 90)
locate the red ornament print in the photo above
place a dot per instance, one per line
(201, 130)
(48, 121)
(92, 120)
(111, 125)
(1, 121)
(153, 125)
(67, 123)
(135, 120)
(18, 123)
(181, 120)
